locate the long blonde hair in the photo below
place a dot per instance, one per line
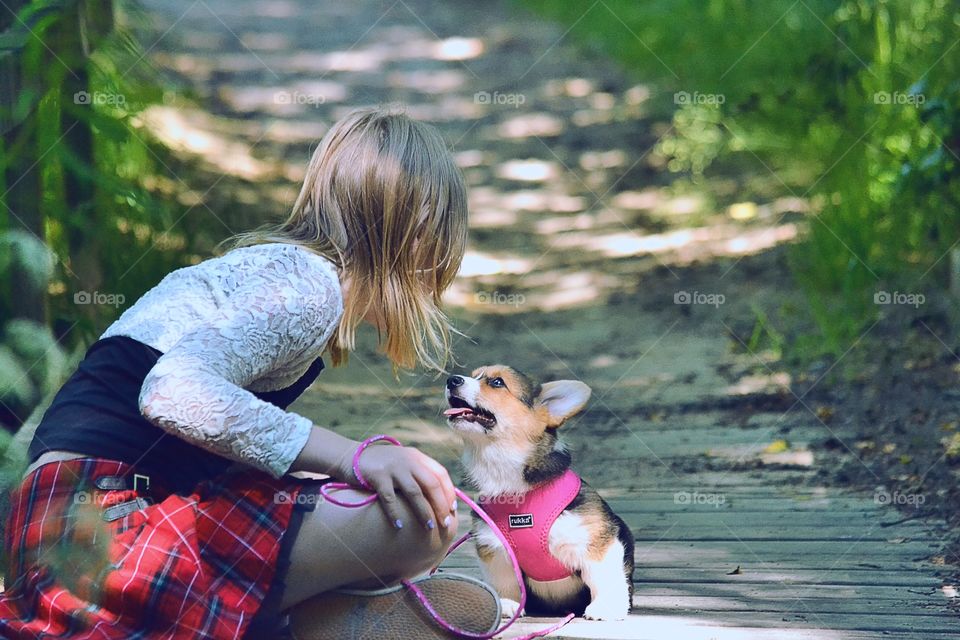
(383, 200)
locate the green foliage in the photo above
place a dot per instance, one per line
(110, 220)
(27, 252)
(32, 362)
(854, 105)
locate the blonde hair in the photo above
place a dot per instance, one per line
(385, 202)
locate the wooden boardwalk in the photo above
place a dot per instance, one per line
(567, 206)
(771, 563)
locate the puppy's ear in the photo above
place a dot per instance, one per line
(562, 399)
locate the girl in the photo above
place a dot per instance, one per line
(157, 504)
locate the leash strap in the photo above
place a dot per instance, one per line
(325, 491)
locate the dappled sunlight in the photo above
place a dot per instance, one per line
(526, 125)
(185, 131)
(528, 170)
(570, 184)
(687, 244)
(458, 49)
(440, 81)
(768, 382)
(482, 264)
(289, 100)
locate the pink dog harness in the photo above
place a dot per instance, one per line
(525, 522)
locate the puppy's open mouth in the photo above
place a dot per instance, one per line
(460, 410)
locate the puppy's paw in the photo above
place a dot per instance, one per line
(605, 610)
(508, 607)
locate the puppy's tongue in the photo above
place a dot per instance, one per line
(457, 411)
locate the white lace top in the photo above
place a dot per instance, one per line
(253, 319)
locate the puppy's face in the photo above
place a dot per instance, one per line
(497, 402)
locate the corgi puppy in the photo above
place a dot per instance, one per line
(575, 553)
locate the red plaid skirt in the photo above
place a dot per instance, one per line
(183, 567)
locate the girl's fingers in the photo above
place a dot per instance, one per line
(432, 489)
(414, 494)
(446, 485)
(391, 505)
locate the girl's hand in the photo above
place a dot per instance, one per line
(420, 479)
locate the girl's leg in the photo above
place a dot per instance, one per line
(338, 547)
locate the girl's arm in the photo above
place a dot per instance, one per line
(394, 472)
(281, 315)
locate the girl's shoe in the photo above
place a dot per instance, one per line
(395, 613)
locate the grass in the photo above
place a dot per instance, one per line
(851, 105)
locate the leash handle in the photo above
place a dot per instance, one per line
(329, 487)
(326, 489)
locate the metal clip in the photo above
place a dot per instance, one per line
(111, 483)
(118, 511)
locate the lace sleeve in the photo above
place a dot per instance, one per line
(279, 315)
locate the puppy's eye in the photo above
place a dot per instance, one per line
(497, 382)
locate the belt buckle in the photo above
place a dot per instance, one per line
(141, 483)
(118, 511)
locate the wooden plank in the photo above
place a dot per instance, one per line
(866, 593)
(660, 627)
(735, 518)
(759, 575)
(653, 604)
(677, 503)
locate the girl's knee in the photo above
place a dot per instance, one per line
(420, 548)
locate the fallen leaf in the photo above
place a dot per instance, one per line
(952, 445)
(777, 446)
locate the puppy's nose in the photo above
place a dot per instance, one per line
(454, 381)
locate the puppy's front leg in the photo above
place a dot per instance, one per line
(497, 569)
(609, 591)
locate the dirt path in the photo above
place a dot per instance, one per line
(581, 250)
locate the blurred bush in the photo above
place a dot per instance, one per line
(106, 223)
(853, 105)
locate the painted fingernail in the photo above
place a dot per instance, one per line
(447, 521)
(430, 524)
(398, 523)
(454, 507)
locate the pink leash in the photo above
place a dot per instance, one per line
(337, 486)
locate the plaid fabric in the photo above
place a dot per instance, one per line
(194, 566)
